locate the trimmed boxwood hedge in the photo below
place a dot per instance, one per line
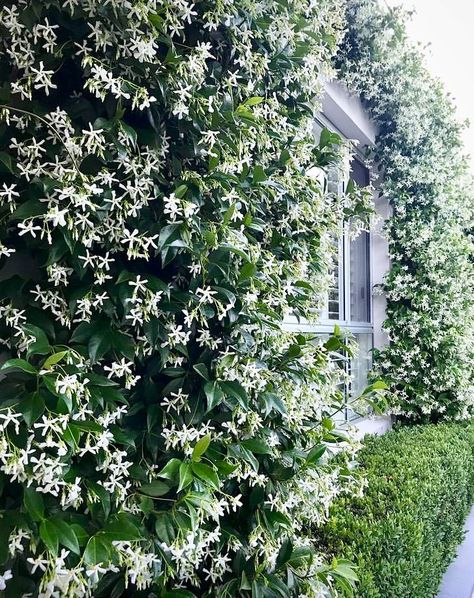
(404, 531)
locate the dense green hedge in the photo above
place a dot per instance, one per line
(404, 531)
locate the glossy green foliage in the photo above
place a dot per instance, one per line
(159, 218)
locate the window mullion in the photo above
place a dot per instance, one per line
(346, 283)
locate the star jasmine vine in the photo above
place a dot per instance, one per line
(160, 433)
(430, 320)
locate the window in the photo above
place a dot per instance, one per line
(335, 300)
(359, 253)
(349, 299)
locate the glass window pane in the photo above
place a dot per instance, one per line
(360, 365)
(340, 359)
(334, 308)
(360, 278)
(359, 173)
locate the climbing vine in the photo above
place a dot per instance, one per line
(162, 210)
(430, 360)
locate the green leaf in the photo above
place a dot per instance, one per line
(6, 526)
(34, 503)
(253, 101)
(32, 407)
(107, 339)
(229, 213)
(97, 380)
(244, 582)
(53, 359)
(156, 488)
(257, 446)
(346, 570)
(129, 133)
(164, 527)
(316, 453)
(277, 518)
(98, 550)
(245, 114)
(328, 138)
(247, 271)
(284, 554)
(334, 344)
(18, 364)
(201, 369)
(181, 191)
(259, 175)
(103, 123)
(171, 469)
(185, 476)
(71, 437)
(214, 395)
(236, 250)
(99, 345)
(234, 389)
(258, 590)
(207, 474)
(66, 535)
(86, 426)
(28, 209)
(377, 385)
(301, 556)
(100, 492)
(168, 234)
(124, 276)
(156, 21)
(6, 160)
(81, 534)
(225, 468)
(122, 527)
(41, 345)
(273, 403)
(49, 534)
(201, 447)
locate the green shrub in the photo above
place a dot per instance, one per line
(404, 531)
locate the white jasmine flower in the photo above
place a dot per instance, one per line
(7, 575)
(42, 78)
(28, 227)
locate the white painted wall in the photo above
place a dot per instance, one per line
(376, 425)
(380, 266)
(346, 113)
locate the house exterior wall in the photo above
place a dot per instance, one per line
(380, 266)
(346, 113)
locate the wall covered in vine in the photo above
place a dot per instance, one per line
(429, 363)
(162, 211)
(159, 218)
